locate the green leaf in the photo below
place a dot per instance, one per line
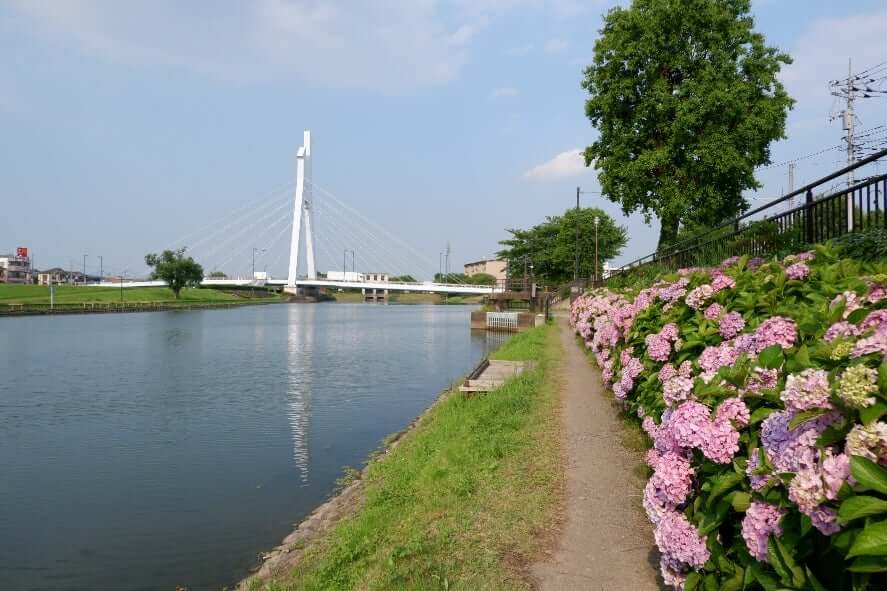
(873, 413)
(871, 541)
(763, 577)
(807, 415)
(760, 414)
(803, 357)
(869, 564)
(857, 316)
(882, 378)
(722, 484)
(741, 501)
(775, 560)
(691, 583)
(710, 583)
(797, 573)
(814, 582)
(834, 434)
(771, 357)
(868, 474)
(860, 506)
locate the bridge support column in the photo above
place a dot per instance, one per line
(302, 214)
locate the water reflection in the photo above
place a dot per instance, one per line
(300, 376)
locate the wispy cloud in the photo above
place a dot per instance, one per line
(555, 45)
(503, 92)
(565, 165)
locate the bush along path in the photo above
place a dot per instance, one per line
(762, 386)
(605, 543)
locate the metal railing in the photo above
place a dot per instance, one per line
(821, 217)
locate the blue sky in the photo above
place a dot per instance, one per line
(130, 127)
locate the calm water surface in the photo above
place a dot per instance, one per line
(146, 451)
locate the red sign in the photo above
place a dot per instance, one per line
(21, 251)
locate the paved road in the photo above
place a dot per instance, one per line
(607, 542)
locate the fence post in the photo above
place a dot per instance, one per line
(808, 215)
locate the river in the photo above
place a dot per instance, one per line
(149, 451)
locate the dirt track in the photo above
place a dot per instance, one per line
(606, 543)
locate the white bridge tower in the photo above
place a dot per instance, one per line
(302, 212)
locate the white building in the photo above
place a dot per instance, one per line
(346, 276)
(15, 268)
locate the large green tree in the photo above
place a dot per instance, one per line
(175, 269)
(551, 246)
(686, 98)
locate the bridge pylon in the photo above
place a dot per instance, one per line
(302, 214)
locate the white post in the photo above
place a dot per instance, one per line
(302, 209)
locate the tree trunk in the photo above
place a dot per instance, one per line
(668, 230)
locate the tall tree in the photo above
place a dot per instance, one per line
(550, 247)
(175, 269)
(686, 98)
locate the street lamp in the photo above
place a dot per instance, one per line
(84, 268)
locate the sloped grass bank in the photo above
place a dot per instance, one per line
(463, 501)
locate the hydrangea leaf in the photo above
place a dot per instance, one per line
(871, 541)
(872, 413)
(869, 564)
(771, 357)
(868, 474)
(860, 506)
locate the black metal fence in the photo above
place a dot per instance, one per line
(822, 215)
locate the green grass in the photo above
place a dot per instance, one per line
(466, 500)
(67, 294)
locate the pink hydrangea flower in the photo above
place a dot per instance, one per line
(758, 481)
(721, 282)
(776, 331)
(806, 390)
(679, 540)
(667, 372)
(842, 328)
(761, 379)
(825, 519)
(797, 271)
(806, 489)
(672, 479)
(658, 348)
(760, 521)
(733, 410)
(677, 389)
(697, 297)
(731, 325)
(713, 312)
(835, 472)
(877, 343)
(791, 450)
(876, 320)
(851, 300)
(715, 357)
(721, 442)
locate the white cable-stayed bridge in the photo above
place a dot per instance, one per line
(321, 228)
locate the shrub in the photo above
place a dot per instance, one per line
(762, 385)
(868, 245)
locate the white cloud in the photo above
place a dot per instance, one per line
(821, 54)
(392, 45)
(504, 91)
(565, 165)
(555, 45)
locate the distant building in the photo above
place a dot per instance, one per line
(346, 276)
(495, 267)
(16, 268)
(375, 276)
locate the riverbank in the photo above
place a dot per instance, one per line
(467, 498)
(22, 300)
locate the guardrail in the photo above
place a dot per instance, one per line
(819, 218)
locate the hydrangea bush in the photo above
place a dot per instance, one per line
(763, 387)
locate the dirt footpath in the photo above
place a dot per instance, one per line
(606, 543)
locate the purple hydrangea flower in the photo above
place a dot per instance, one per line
(760, 521)
(842, 328)
(825, 519)
(721, 282)
(797, 271)
(697, 297)
(713, 312)
(679, 540)
(758, 481)
(731, 325)
(761, 379)
(876, 320)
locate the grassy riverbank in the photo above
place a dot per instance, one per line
(38, 295)
(466, 500)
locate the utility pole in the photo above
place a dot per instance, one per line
(791, 184)
(576, 264)
(101, 268)
(848, 120)
(84, 269)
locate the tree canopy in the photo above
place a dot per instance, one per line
(687, 101)
(551, 246)
(175, 269)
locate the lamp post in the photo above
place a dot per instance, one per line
(122, 279)
(84, 268)
(597, 222)
(101, 268)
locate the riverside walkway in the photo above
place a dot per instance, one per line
(606, 543)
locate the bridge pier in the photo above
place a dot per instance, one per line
(375, 296)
